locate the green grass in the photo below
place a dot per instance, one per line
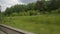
(42, 24)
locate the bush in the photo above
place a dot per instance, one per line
(14, 14)
(57, 11)
(28, 13)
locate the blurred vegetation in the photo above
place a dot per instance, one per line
(41, 17)
(41, 24)
(39, 7)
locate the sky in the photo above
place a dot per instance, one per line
(8, 3)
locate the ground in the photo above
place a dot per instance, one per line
(42, 24)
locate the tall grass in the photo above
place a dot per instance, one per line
(41, 24)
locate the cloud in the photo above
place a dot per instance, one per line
(27, 1)
(9, 3)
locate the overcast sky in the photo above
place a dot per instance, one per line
(9, 3)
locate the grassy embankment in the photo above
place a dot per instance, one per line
(42, 24)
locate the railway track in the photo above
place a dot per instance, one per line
(9, 30)
(1, 32)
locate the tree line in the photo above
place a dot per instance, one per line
(39, 7)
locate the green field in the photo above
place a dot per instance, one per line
(42, 24)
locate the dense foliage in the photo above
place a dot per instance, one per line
(41, 17)
(39, 7)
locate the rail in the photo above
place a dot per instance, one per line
(10, 30)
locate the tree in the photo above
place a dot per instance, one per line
(41, 6)
(53, 5)
(7, 11)
(31, 6)
(15, 8)
(0, 13)
(1, 16)
(0, 9)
